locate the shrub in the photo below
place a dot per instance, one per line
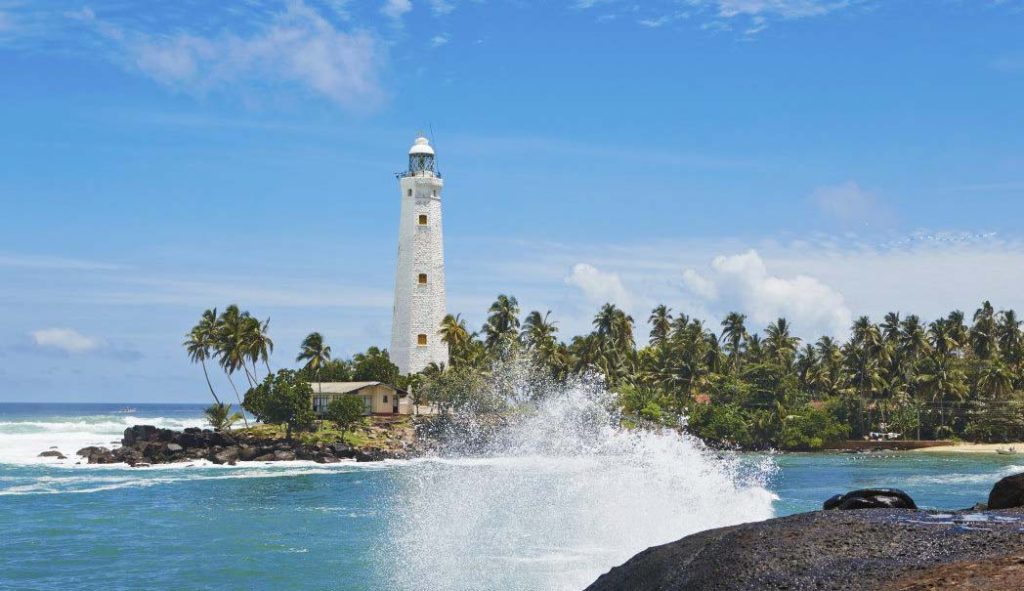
(345, 412)
(283, 398)
(220, 417)
(812, 429)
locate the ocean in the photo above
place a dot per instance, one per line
(564, 502)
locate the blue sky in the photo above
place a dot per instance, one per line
(818, 160)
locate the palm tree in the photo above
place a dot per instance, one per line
(995, 380)
(259, 343)
(983, 332)
(502, 326)
(1008, 336)
(231, 347)
(661, 325)
(538, 331)
(316, 355)
(453, 333)
(779, 344)
(734, 332)
(200, 342)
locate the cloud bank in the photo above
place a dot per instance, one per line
(65, 339)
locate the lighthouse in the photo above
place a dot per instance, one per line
(419, 275)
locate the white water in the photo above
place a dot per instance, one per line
(21, 440)
(558, 498)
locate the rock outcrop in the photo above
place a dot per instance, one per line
(1008, 493)
(871, 498)
(144, 445)
(870, 550)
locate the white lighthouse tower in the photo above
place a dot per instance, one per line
(419, 277)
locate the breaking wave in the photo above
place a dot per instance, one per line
(557, 496)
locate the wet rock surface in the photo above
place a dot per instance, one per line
(868, 550)
(871, 498)
(144, 445)
(1008, 493)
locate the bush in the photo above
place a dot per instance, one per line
(720, 424)
(220, 417)
(812, 429)
(283, 398)
(345, 412)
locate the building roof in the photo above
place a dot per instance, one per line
(422, 146)
(348, 387)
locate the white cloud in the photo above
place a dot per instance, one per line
(65, 339)
(742, 282)
(44, 262)
(297, 46)
(599, 287)
(439, 40)
(396, 9)
(848, 203)
(441, 6)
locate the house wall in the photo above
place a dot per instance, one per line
(381, 399)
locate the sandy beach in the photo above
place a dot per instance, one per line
(972, 448)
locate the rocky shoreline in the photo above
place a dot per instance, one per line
(145, 445)
(873, 540)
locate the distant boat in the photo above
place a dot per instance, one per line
(127, 410)
(1009, 451)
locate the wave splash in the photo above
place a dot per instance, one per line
(558, 496)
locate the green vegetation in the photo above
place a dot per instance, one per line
(345, 412)
(942, 379)
(220, 417)
(284, 398)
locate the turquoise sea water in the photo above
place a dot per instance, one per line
(521, 521)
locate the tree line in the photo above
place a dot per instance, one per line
(947, 378)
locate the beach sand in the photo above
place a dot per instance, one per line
(972, 448)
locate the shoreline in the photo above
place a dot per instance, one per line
(974, 448)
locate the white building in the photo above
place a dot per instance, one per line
(419, 277)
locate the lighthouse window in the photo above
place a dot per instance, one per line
(423, 219)
(421, 340)
(409, 192)
(422, 279)
(435, 192)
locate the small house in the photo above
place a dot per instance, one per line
(378, 398)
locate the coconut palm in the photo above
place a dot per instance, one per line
(200, 343)
(316, 355)
(502, 327)
(259, 343)
(779, 344)
(734, 332)
(661, 325)
(232, 351)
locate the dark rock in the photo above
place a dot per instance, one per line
(247, 453)
(228, 455)
(1008, 493)
(264, 458)
(97, 455)
(824, 550)
(53, 454)
(871, 498)
(328, 459)
(284, 455)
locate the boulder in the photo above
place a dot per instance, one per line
(247, 453)
(229, 455)
(1008, 493)
(97, 455)
(53, 454)
(284, 455)
(871, 498)
(327, 459)
(269, 457)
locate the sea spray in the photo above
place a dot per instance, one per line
(555, 493)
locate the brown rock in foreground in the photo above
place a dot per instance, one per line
(868, 550)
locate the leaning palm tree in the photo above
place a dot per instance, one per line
(259, 345)
(316, 355)
(200, 342)
(231, 348)
(454, 333)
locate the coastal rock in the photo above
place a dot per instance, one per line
(53, 454)
(871, 498)
(284, 455)
(228, 455)
(97, 455)
(1008, 493)
(834, 550)
(174, 448)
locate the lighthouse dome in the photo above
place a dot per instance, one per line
(421, 146)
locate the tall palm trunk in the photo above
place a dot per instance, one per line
(239, 398)
(208, 384)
